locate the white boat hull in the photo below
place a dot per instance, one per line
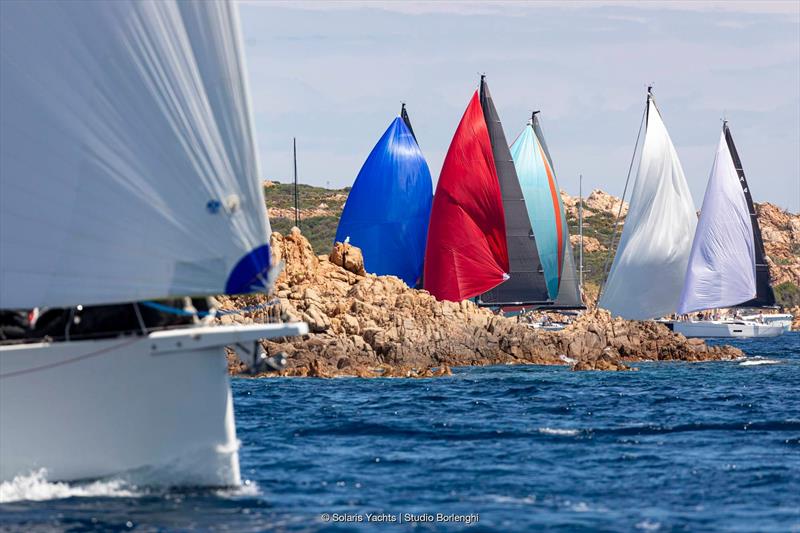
(155, 409)
(726, 329)
(783, 319)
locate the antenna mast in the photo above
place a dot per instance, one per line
(580, 231)
(296, 196)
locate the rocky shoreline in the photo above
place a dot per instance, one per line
(375, 326)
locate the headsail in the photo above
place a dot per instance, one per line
(647, 274)
(387, 211)
(526, 284)
(721, 269)
(466, 253)
(543, 203)
(569, 291)
(127, 167)
(765, 297)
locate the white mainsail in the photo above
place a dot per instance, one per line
(127, 162)
(722, 265)
(647, 274)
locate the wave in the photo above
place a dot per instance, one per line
(559, 431)
(35, 487)
(769, 425)
(755, 361)
(247, 489)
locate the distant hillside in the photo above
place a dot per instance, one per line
(321, 208)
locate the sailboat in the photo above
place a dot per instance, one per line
(647, 274)
(726, 255)
(388, 208)
(547, 217)
(128, 173)
(466, 253)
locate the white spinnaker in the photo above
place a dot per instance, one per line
(722, 265)
(127, 162)
(647, 274)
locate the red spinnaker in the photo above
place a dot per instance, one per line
(466, 253)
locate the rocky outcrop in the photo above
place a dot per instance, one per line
(781, 233)
(367, 325)
(597, 202)
(319, 211)
(590, 244)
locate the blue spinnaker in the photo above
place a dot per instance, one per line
(387, 211)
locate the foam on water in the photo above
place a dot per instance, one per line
(248, 489)
(35, 487)
(559, 431)
(759, 361)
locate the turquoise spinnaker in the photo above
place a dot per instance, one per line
(387, 211)
(543, 201)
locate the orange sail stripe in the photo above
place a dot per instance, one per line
(556, 210)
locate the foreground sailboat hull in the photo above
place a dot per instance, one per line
(785, 320)
(726, 329)
(155, 410)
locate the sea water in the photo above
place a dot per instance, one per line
(674, 446)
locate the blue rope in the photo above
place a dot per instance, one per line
(182, 312)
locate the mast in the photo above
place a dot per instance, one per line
(580, 231)
(765, 297)
(407, 120)
(296, 196)
(612, 243)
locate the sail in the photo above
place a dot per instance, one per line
(525, 284)
(127, 167)
(646, 277)
(407, 120)
(466, 253)
(387, 211)
(721, 269)
(765, 297)
(569, 291)
(543, 203)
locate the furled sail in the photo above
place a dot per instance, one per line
(569, 292)
(721, 269)
(127, 167)
(387, 211)
(466, 252)
(543, 204)
(646, 277)
(765, 297)
(525, 284)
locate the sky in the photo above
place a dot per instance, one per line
(333, 74)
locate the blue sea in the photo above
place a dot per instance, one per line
(672, 447)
